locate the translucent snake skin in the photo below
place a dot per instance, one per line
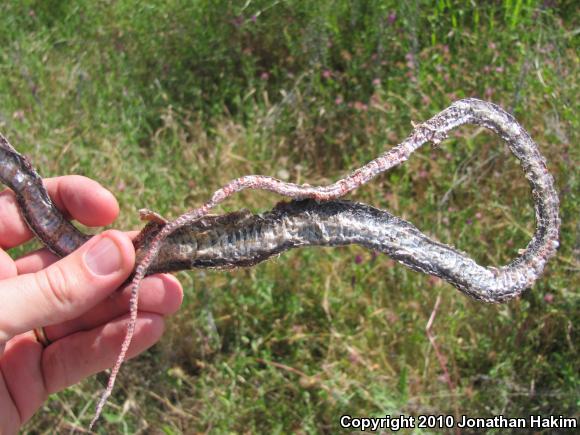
(314, 218)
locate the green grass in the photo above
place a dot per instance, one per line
(164, 101)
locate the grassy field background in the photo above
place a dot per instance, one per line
(164, 101)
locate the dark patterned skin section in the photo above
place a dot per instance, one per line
(43, 218)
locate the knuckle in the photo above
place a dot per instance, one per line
(55, 368)
(54, 285)
(5, 334)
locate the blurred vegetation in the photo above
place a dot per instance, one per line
(164, 101)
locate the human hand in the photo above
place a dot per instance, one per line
(73, 299)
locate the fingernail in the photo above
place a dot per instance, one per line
(104, 258)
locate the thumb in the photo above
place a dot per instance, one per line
(67, 288)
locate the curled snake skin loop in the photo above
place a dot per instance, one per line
(314, 218)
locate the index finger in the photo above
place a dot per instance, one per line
(76, 196)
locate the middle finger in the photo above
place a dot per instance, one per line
(158, 294)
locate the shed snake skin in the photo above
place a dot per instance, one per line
(314, 217)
